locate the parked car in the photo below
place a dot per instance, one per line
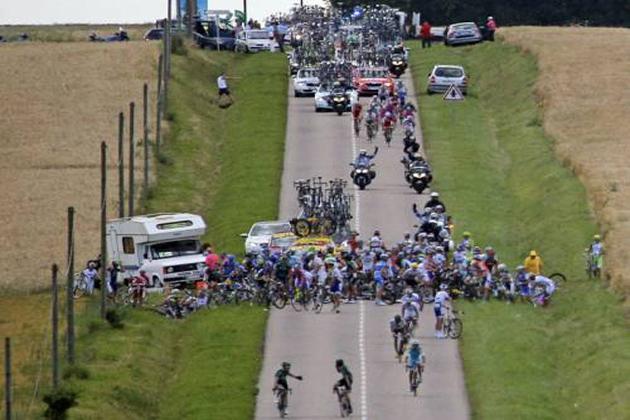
(206, 36)
(323, 93)
(261, 233)
(462, 33)
(443, 76)
(368, 80)
(153, 34)
(253, 40)
(305, 82)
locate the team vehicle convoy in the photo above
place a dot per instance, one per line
(368, 80)
(166, 246)
(305, 82)
(253, 40)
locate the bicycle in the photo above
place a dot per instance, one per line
(593, 264)
(301, 299)
(80, 287)
(320, 298)
(415, 378)
(401, 338)
(357, 125)
(345, 406)
(453, 326)
(282, 400)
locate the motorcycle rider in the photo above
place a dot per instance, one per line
(410, 145)
(435, 201)
(364, 160)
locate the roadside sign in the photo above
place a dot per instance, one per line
(239, 15)
(453, 94)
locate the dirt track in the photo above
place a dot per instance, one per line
(59, 101)
(583, 87)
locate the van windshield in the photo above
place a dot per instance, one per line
(175, 249)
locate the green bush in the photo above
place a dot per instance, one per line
(59, 401)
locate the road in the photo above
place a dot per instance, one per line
(323, 145)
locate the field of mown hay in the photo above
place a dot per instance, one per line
(583, 90)
(59, 101)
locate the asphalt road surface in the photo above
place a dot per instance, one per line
(323, 144)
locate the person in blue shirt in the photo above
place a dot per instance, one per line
(415, 360)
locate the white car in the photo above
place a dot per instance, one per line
(462, 33)
(253, 40)
(322, 94)
(260, 234)
(305, 82)
(443, 76)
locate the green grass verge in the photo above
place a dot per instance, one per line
(203, 367)
(497, 172)
(224, 164)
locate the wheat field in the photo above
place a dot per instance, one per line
(59, 101)
(584, 89)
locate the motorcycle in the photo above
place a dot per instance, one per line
(339, 102)
(362, 175)
(397, 65)
(417, 175)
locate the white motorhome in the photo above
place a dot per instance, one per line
(166, 245)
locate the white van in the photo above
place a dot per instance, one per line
(166, 245)
(254, 40)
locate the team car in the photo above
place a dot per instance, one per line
(368, 80)
(305, 82)
(323, 93)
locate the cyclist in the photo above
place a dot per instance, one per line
(596, 252)
(335, 282)
(382, 273)
(439, 308)
(435, 201)
(548, 286)
(357, 110)
(280, 384)
(506, 282)
(415, 360)
(411, 312)
(401, 90)
(138, 286)
(345, 381)
(90, 274)
(414, 275)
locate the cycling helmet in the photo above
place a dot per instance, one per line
(520, 268)
(286, 365)
(362, 152)
(427, 209)
(466, 234)
(414, 265)
(414, 343)
(490, 18)
(502, 268)
(397, 318)
(435, 194)
(339, 362)
(596, 237)
(377, 233)
(443, 286)
(384, 257)
(93, 265)
(409, 292)
(439, 208)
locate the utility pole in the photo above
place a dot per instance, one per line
(55, 328)
(8, 396)
(103, 226)
(121, 165)
(132, 148)
(70, 289)
(158, 117)
(145, 123)
(245, 12)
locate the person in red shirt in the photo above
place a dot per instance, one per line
(491, 27)
(425, 34)
(212, 265)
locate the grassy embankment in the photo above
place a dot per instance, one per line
(226, 166)
(497, 172)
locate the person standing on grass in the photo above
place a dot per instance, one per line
(223, 86)
(425, 34)
(491, 27)
(533, 263)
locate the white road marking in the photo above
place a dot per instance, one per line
(357, 199)
(362, 358)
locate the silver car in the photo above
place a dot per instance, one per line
(260, 234)
(462, 33)
(443, 76)
(305, 82)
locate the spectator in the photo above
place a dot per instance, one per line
(491, 27)
(112, 278)
(278, 37)
(533, 263)
(223, 86)
(425, 34)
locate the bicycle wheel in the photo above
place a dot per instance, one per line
(302, 227)
(306, 301)
(558, 278)
(297, 305)
(455, 328)
(427, 294)
(328, 226)
(80, 286)
(414, 382)
(279, 300)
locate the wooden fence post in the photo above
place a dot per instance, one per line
(8, 386)
(55, 328)
(132, 146)
(145, 122)
(103, 227)
(121, 165)
(70, 289)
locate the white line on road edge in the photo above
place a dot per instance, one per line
(364, 412)
(357, 201)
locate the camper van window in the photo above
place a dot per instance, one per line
(128, 246)
(175, 249)
(174, 225)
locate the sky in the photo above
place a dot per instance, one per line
(14, 12)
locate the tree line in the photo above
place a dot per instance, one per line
(513, 12)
